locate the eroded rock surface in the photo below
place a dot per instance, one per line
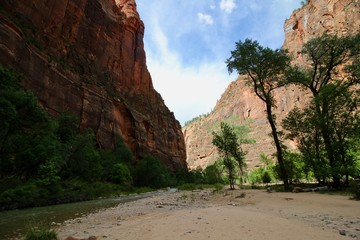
(87, 57)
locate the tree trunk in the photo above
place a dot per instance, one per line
(327, 142)
(278, 146)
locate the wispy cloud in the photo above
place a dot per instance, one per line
(189, 90)
(227, 5)
(186, 57)
(205, 18)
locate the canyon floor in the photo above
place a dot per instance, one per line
(237, 214)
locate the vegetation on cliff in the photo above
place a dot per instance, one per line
(48, 161)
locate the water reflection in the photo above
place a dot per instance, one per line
(14, 223)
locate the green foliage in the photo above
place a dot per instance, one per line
(324, 130)
(196, 119)
(188, 187)
(213, 174)
(48, 161)
(121, 174)
(67, 127)
(151, 172)
(266, 160)
(260, 175)
(355, 191)
(265, 71)
(229, 149)
(294, 165)
(263, 66)
(40, 233)
(84, 160)
(266, 178)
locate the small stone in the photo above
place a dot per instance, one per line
(342, 232)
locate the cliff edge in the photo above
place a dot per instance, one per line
(87, 57)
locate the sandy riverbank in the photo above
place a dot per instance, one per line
(224, 215)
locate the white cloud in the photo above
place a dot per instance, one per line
(190, 90)
(205, 18)
(227, 5)
(186, 60)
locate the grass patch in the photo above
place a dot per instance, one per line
(193, 186)
(40, 233)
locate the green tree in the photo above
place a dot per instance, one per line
(83, 159)
(301, 127)
(213, 173)
(326, 57)
(23, 123)
(151, 172)
(265, 70)
(228, 146)
(121, 174)
(294, 166)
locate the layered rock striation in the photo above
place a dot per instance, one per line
(341, 17)
(87, 57)
(240, 103)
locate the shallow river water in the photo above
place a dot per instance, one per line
(14, 223)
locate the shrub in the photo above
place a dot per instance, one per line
(266, 178)
(151, 172)
(121, 174)
(40, 233)
(188, 186)
(213, 174)
(355, 191)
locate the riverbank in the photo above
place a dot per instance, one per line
(238, 214)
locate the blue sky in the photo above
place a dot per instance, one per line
(188, 41)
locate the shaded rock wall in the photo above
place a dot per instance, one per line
(87, 57)
(240, 103)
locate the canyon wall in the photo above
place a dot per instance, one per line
(87, 57)
(239, 103)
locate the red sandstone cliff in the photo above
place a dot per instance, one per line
(239, 102)
(87, 57)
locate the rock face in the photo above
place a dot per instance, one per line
(320, 16)
(239, 103)
(87, 57)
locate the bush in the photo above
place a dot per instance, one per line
(188, 186)
(355, 191)
(121, 174)
(40, 233)
(151, 172)
(266, 178)
(213, 174)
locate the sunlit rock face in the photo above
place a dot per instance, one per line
(341, 17)
(238, 103)
(87, 57)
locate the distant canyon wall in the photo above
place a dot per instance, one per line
(239, 103)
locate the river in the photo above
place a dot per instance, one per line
(13, 224)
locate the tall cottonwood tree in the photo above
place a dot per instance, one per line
(330, 74)
(265, 70)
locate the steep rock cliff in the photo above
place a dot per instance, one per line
(87, 57)
(240, 103)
